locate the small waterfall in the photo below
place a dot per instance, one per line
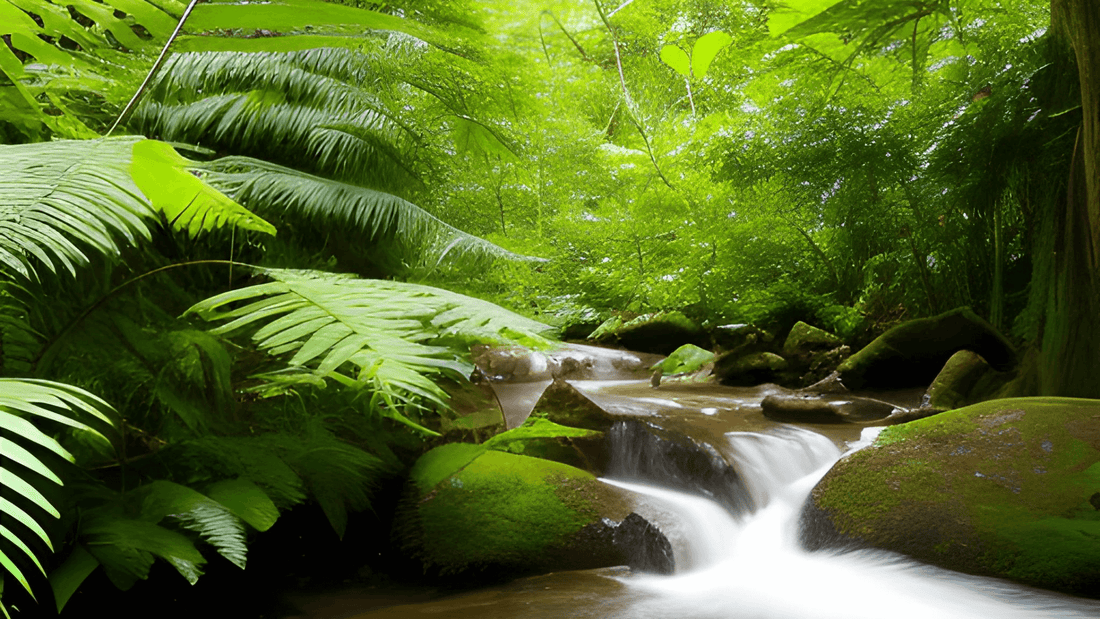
(748, 564)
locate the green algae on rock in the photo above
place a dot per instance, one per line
(661, 332)
(1001, 488)
(966, 378)
(499, 514)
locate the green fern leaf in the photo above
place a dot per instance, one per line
(190, 204)
(127, 548)
(366, 333)
(277, 191)
(215, 523)
(246, 501)
(20, 401)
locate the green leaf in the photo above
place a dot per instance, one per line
(795, 12)
(215, 523)
(127, 548)
(56, 194)
(67, 578)
(706, 48)
(676, 58)
(191, 205)
(246, 501)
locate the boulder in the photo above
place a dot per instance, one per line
(805, 339)
(564, 405)
(912, 353)
(476, 514)
(740, 337)
(1001, 488)
(541, 438)
(735, 368)
(965, 379)
(660, 333)
(685, 359)
(815, 408)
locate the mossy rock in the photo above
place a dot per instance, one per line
(912, 353)
(660, 333)
(965, 379)
(1005, 488)
(685, 359)
(476, 513)
(541, 438)
(736, 368)
(804, 339)
(740, 337)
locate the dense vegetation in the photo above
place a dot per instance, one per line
(251, 300)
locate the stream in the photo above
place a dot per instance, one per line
(737, 552)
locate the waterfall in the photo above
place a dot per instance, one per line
(735, 563)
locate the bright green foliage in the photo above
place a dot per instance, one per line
(687, 358)
(189, 204)
(23, 400)
(366, 333)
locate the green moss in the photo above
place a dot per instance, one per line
(441, 462)
(687, 358)
(541, 438)
(504, 509)
(804, 338)
(999, 488)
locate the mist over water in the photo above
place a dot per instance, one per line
(750, 565)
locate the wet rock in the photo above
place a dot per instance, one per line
(740, 337)
(805, 339)
(473, 513)
(965, 379)
(815, 408)
(734, 368)
(648, 453)
(1001, 488)
(829, 384)
(912, 353)
(564, 404)
(499, 364)
(660, 333)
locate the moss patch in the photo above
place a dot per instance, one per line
(506, 509)
(441, 462)
(999, 488)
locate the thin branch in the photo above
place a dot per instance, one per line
(153, 71)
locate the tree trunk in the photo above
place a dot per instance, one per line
(1069, 358)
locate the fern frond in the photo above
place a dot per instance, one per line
(20, 401)
(60, 199)
(250, 459)
(57, 194)
(215, 523)
(276, 191)
(127, 548)
(367, 333)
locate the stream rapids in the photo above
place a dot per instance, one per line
(737, 552)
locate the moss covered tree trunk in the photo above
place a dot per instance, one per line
(1069, 359)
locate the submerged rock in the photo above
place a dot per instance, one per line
(562, 403)
(660, 333)
(1002, 488)
(912, 353)
(815, 408)
(474, 513)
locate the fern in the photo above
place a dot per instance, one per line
(60, 199)
(21, 401)
(369, 334)
(285, 193)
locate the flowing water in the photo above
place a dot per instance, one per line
(737, 552)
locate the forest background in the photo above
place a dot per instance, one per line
(848, 164)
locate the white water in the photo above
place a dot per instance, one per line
(752, 567)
